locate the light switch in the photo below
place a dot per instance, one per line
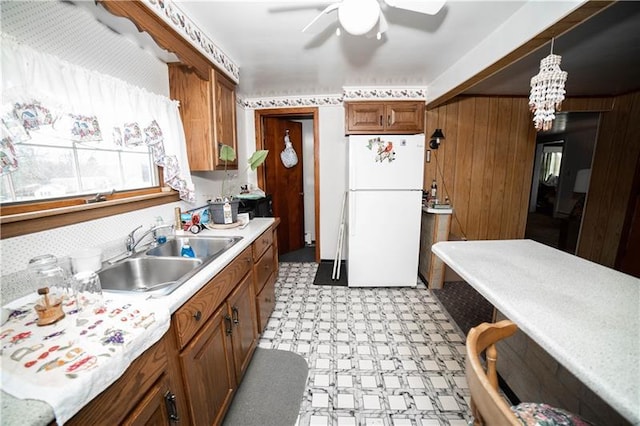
(428, 156)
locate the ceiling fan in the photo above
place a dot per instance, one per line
(358, 17)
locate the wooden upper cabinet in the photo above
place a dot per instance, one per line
(208, 112)
(399, 117)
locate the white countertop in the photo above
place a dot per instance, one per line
(33, 412)
(436, 211)
(585, 315)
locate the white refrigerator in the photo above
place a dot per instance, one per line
(384, 209)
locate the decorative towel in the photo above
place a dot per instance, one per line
(67, 364)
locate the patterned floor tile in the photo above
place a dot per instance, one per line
(377, 356)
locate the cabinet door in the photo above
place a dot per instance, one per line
(364, 117)
(207, 366)
(153, 409)
(196, 108)
(266, 302)
(404, 117)
(224, 117)
(242, 308)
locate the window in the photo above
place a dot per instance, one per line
(550, 166)
(54, 167)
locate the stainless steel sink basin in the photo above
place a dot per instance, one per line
(160, 270)
(204, 247)
(148, 274)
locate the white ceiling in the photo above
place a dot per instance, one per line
(275, 58)
(264, 38)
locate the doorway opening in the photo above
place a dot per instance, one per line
(560, 180)
(294, 189)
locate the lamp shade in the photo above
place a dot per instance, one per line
(582, 181)
(437, 134)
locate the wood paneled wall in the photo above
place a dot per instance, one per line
(616, 157)
(484, 165)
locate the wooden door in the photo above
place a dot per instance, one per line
(285, 185)
(207, 366)
(152, 410)
(241, 306)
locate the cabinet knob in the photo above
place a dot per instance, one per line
(198, 315)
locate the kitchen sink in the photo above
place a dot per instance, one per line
(161, 269)
(148, 274)
(204, 247)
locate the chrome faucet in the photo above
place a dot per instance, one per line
(131, 242)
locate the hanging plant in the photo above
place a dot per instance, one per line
(228, 154)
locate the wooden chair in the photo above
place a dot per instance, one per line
(487, 405)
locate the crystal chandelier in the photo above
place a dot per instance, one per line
(547, 91)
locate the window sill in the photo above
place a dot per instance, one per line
(26, 223)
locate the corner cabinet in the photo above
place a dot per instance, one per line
(398, 117)
(208, 112)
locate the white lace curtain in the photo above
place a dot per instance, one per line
(121, 109)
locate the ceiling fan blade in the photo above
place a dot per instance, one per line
(383, 26)
(327, 10)
(428, 7)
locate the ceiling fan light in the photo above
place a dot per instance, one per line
(358, 17)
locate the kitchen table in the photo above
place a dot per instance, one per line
(583, 314)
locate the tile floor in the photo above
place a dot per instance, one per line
(377, 357)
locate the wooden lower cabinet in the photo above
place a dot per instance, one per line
(266, 302)
(208, 370)
(157, 407)
(216, 333)
(190, 376)
(241, 306)
(143, 395)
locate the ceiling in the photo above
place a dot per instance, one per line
(264, 38)
(276, 59)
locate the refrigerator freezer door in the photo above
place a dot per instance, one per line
(386, 161)
(384, 238)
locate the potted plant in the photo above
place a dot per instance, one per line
(224, 208)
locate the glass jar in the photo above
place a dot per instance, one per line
(46, 272)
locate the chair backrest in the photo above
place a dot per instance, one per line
(487, 405)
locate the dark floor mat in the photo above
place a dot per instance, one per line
(325, 270)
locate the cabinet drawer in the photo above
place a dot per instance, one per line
(193, 314)
(263, 269)
(266, 302)
(261, 244)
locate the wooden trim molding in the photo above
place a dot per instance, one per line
(17, 224)
(165, 36)
(581, 14)
(308, 112)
